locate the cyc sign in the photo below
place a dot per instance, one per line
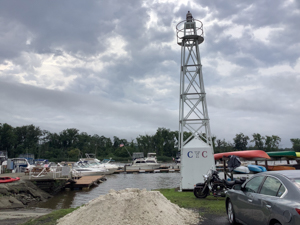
(197, 154)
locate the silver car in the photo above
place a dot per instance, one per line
(268, 198)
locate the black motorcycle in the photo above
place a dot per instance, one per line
(214, 185)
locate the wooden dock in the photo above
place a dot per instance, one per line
(85, 182)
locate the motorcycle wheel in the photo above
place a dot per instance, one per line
(198, 192)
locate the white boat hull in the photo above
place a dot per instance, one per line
(142, 167)
(110, 171)
(90, 172)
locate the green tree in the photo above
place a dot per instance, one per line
(84, 143)
(240, 141)
(214, 138)
(27, 139)
(51, 146)
(7, 138)
(296, 144)
(68, 138)
(223, 146)
(74, 153)
(146, 144)
(272, 143)
(95, 144)
(258, 140)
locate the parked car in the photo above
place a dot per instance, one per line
(268, 198)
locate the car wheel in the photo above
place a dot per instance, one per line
(230, 213)
(198, 192)
(277, 223)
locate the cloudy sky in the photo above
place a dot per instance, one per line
(112, 68)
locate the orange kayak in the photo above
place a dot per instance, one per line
(247, 154)
(8, 179)
(279, 167)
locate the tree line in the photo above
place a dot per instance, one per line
(258, 142)
(72, 144)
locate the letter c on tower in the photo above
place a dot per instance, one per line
(188, 154)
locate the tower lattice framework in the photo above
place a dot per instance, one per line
(193, 114)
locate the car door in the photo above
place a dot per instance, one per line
(266, 201)
(244, 202)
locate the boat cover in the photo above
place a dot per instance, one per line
(233, 162)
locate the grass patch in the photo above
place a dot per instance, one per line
(51, 218)
(210, 204)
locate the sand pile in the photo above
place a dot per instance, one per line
(130, 206)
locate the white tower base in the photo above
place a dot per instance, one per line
(197, 157)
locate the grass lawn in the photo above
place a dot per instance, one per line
(209, 205)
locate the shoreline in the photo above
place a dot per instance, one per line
(20, 216)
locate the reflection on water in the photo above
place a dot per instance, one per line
(67, 199)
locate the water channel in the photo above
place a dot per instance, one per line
(149, 181)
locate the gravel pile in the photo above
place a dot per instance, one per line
(131, 206)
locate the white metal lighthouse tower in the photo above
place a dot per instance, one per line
(197, 148)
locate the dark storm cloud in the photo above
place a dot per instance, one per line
(76, 27)
(282, 17)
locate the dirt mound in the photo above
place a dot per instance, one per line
(131, 206)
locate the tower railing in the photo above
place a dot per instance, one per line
(189, 30)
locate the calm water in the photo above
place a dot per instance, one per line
(149, 181)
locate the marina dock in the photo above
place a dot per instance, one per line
(85, 182)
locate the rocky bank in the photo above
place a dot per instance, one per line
(20, 194)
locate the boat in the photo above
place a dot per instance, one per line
(178, 158)
(96, 163)
(8, 179)
(151, 158)
(109, 168)
(81, 169)
(257, 168)
(280, 167)
(247, 154)
(141, 163)
(287, 154)
(3, 156)
(107, 160)
(241, 169)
